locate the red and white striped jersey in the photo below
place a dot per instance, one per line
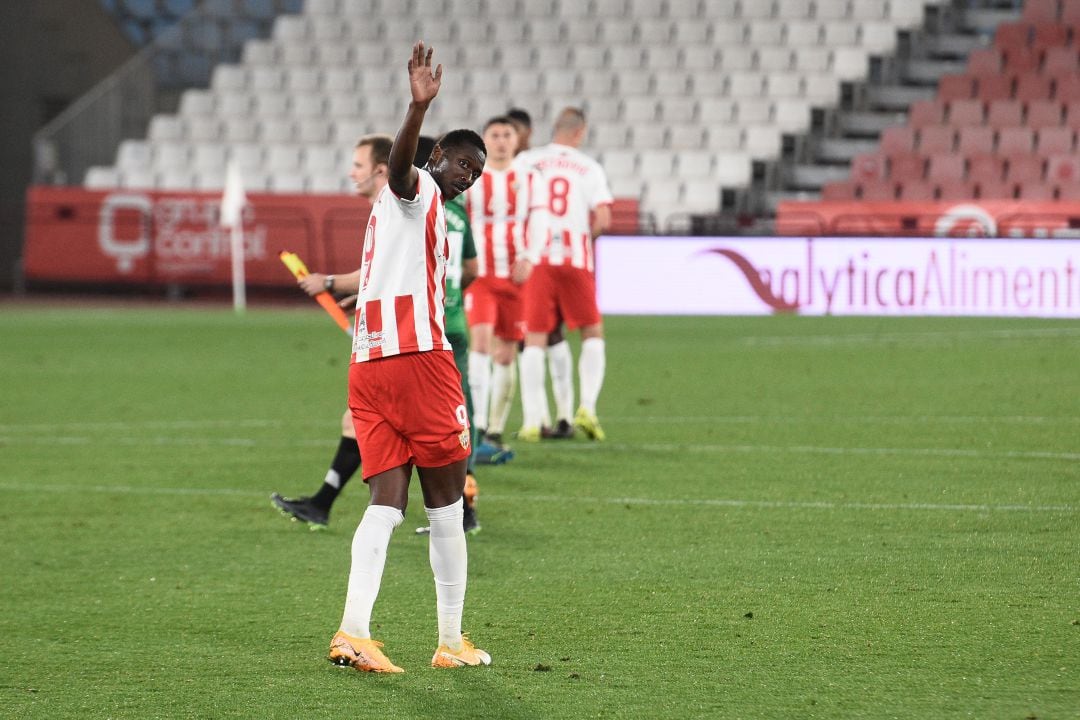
(498, 207)
(570, 185)
(402, 274)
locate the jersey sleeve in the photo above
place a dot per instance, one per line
(425, 185)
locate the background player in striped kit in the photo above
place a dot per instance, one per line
(578, 202)
(498, 207)
(560, 358)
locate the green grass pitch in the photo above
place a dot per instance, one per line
(792, 518)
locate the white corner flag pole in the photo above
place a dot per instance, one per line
(233, 201)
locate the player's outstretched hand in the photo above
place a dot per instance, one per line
(423, 83)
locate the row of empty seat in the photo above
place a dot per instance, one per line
(1036, 114)
(291, 65)
(1052, 11)
(900, 10)
(876, 35)
(977, 139)
(952, 167)
(952, 191)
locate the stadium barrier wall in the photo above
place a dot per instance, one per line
(838, 276)
(148, 238)
(976, 218)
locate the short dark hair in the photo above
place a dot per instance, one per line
(423, 150)
(520, 116)
(499, 120)
(461, 138)
(380, 147)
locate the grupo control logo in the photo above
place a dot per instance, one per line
(125, 248)
(182, 234)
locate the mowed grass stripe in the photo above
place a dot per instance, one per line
(608, 447)
(561, 499)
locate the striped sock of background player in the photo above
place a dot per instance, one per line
(369, 545)
(591, 369)
(503, 382)
(480, 385)
(561, 367)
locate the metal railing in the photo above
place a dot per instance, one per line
(88, 131)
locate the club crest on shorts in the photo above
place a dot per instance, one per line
(463, 438)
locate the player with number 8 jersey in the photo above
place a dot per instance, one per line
(578, 202)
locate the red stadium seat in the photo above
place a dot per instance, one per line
(1024, 168)
(1067, 87)
(1061, 61)
(868, 166)
(1072, 114)
(956, 87)
(936, 139)
(995, 87)
(946, 168)
(898, 139)
(985, 61)
(907, 166)
(956, 191)
(1034, 87)
(1055, 141)
(1015, 141)
(842, 190)
(996, 190)
(1013, 34)
(1063, 170)
(1035, 191)
(986, 167)
(1021, 60)
(1005, 113)
(973, 140)
(1070, 12)
(1069, 192)
(878, 190)
(926, 112)
(1048, 35)
(965, 112)
(1041, 11)
(1043, 113)
(918, 191)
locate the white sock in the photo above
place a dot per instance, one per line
(368, 559)
(503, 380)
(591, 370)
(561, 367)
(450, 565)
(533, 400)
(480, 385)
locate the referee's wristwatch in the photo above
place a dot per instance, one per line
(328, 283)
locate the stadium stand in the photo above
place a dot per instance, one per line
(737, 82)
(1008, 112)
(733, 106)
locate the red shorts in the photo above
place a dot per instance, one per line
(555, 291)
(409, 410)
(496, 301)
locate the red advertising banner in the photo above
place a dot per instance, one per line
(978, 218)
(150, 238)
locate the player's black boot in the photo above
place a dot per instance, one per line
(563, 430)
(302, 509)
